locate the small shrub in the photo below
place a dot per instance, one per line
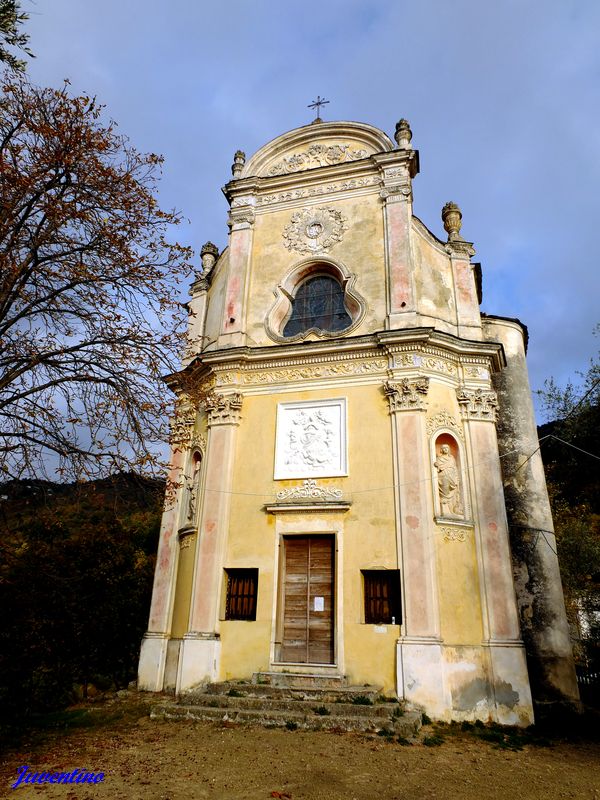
(398, 712)
(235, 693)
(404, 741)
(291, 725)
(322, 711)
(425, 719)
(362, 700)
(433, 741)
(385, 732)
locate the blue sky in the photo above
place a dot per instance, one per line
(503, 100)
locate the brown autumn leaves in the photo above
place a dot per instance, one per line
(89, 318)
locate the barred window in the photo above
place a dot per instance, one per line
(382, 596)
(319, 304)
(242, 589)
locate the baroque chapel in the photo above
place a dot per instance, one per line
(358, 490)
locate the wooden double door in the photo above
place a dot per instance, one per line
(308, 600)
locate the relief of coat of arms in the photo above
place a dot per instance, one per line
(314, 230)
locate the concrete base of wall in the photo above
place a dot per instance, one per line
(466, 683)
(153, 656)
(198, 661)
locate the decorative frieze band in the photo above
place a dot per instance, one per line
(309, 490)
(407, 394)
(223, 409)
(477, 403)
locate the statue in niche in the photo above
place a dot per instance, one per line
(191, 491)
(448, 483)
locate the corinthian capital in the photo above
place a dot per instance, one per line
(223, 409)
(407, 394)
(477, 403)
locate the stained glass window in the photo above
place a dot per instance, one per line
(319, 303)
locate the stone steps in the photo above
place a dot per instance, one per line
(407, 725)
(335, 694)
(294, 701)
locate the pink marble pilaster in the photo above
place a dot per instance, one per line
(503, 622)
(164, 573)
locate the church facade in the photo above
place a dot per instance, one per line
(353, 490)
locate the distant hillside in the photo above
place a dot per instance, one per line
(126, 500)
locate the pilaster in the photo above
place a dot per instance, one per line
(154, 645)
(419, 650)
(502, 635)
(241, 224)
(199, 661)
(468, 318)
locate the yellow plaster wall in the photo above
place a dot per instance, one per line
(368, 539)
(183, 589)
(457, 568)
(361, 251)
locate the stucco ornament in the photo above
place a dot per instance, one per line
(223, 409)
(314, 230)
(309, 490)
(182, 425)
(406, 394)
(477, 403)
(317, 155)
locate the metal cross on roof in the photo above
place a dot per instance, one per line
(320, 101)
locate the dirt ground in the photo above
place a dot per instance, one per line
(156, 760)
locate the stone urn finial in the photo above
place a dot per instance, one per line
(452, 219)
(239, 160)
(403, 135)
(208, 254)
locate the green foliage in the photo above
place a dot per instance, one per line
(322, 711)
(362, 700)
(291, 725)
(433, 741)
(76, 574)
(570, 453)
(11, 18)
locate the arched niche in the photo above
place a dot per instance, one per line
(287, 290)
(449, 477)
(191, 490)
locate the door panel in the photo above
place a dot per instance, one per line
(308, 600)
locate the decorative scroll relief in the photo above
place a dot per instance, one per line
(198, 442)
(317, 191)
(433, 363)
(324, 371)
(311, 439)
(444, 420)
(182, 425)
(309, 490)
(454, 534)
(314, 230)
(407, 395)
(477, 372)
(477, 404)
(317, 155)
(223, 409)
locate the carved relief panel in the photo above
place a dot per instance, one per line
(311, 439)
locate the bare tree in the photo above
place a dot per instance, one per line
(88, 284)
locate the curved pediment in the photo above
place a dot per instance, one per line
(317, 145)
